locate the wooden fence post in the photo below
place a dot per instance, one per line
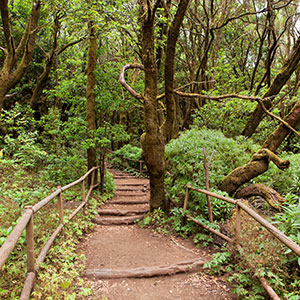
(30, 244)
(102, 173)
(186, 198)
(60, 205)
(83, 190)
(238, 225)
(92, 180)
(141, 167)
(206, 168)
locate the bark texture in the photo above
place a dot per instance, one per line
(90, 93)
(17, 59)
(270, 195)
(260, 161)
(152, 140)
(43, 78)
(279, 81)
(155, 136)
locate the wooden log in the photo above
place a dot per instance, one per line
(186, 266)
(119, 212)
(118, 220)
(133, 189)
(132, 184)
(30, 244)
(130, 194)
(129, 202)
(268, 288)
(125, 177)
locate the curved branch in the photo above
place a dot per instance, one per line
(127, 86)
(270, 195)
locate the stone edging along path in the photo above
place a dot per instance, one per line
(125, 261)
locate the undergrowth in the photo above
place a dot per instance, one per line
(59, 275)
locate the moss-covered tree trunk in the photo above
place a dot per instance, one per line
(260, 161)
(155, 136)
(43, 78)
(90, 93)
(152, 140)
(16, 59)
(279, 81)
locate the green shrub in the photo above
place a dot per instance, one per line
(184, 158)
(127, 156)
(283, 181)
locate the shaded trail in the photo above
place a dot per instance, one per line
(123, 260)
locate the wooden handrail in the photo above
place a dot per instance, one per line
(26, 221)
(14, 236)
(240, 205)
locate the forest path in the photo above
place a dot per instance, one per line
(118, 249)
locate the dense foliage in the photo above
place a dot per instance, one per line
(223, 47)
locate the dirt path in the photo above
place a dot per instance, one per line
(116, 252)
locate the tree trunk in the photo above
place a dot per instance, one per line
(271, 196)
(282, 77)
(90, 94)
(13, 70)
(173, 33)
(43, 78)
(260, 161)
(152, 140)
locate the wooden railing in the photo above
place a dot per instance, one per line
(139, 162)
(26, 222)
(236, 241)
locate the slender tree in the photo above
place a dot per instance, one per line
(90, 92)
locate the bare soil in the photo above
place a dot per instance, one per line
(125, 247)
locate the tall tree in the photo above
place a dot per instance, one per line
(90, 92)
(155, 136)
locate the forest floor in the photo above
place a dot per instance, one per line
(119, 248)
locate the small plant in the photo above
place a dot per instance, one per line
(219, 263)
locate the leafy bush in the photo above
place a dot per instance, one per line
(229, 117)
(289, 222)
(184, 158)
(127, 156)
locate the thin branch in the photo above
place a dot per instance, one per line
(194, 82)
(62, 49)
(42, 49)
(221, 97)
(3, 50)
(124, 83)
(10, 95)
